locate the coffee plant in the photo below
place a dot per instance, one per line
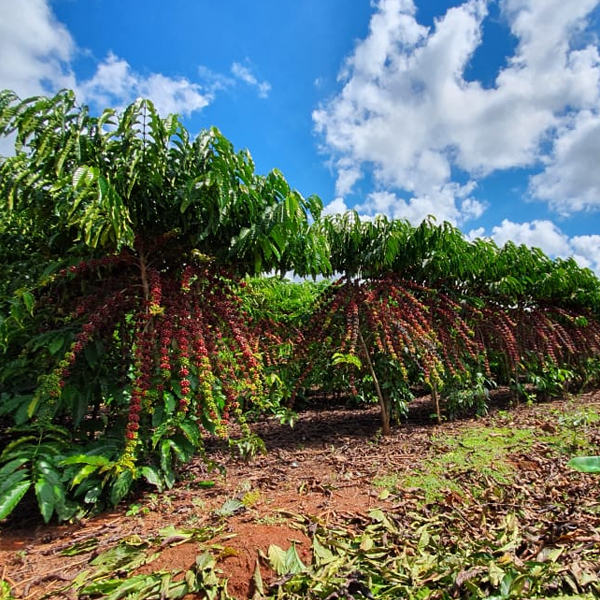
(279, 309)
(423, 307)
(125, 242)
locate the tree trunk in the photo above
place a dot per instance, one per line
(383, 405)
(436, 398)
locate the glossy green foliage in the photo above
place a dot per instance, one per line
(31, 460)
(122, 244)
(102, 181)
(586, 464)
(448, 312)
(126, 248)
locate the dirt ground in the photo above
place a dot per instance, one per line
(325, 467)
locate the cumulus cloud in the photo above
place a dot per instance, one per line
(571, 180)
(244, 73)
(36, 49)
(586, 251)
(540, 234)
(37, 55)
(37, 58)
(450, 202)
(335, 206)
(116, 84)
(408, 113)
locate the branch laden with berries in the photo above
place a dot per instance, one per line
(423, 306)
(134, 336)
(375, 334)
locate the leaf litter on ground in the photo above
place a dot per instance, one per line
(488, 510)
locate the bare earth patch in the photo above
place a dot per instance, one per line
(325, 468)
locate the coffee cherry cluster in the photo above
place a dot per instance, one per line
(165, 330)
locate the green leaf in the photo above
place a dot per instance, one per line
(182, 447)
(285, 562)
(366, 543)
(47, 497)
(32, 406)
(152, 475)
(10, 468)
(81, 547)
(82, 474)
(172, 536)
(29, 301)
(230, 507)
(346, 359)
(25, 446)
(13, 406)
(121, 486)
(55, 345)
(293, 562)
(205, 561)
(166, 463)
(64, 508)
(259, 589)
(84, 176)
(86, 459)
(322, 554)
(586, 464)
(191, 432)
(92, 492)
(11, 497)
(14, 478)
(206, 483)
(276, 556)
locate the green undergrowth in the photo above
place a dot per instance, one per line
(481, 450)
(5, 591)
(486, 451)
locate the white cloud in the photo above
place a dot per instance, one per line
(35, 48)
(335, 206)
(347, 175)
(586, 251)
(37, 58)
(479, 232)
(215, 82)
(37, 53)
(540, 234)
(449, 202)
(244, 73)
(408, 113)
(116, 84)
(571, 180)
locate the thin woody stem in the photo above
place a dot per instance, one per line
(385, 416)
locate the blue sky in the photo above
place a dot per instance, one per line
(485, 113)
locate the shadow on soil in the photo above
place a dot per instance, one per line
(322, 421)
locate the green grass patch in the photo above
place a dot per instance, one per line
(478, 457)
(481, 450)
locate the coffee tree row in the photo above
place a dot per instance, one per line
(423, 307)
(129, 332)
(122, 335)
